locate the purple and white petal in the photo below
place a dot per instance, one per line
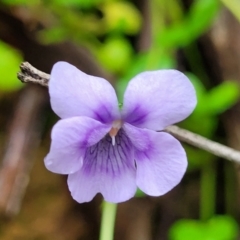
(70, 138)
(106, 169)
(74, 93)
(157, 99)
(161, 160)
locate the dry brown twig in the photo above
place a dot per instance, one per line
(30, 74)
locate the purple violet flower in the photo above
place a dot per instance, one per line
(112, 151)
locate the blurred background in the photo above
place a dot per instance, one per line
(117, 39)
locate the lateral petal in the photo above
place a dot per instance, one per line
(70, 139)
(161, 160)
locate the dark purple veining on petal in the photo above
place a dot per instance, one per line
(108, 159)
(136, 116)
(102, 114)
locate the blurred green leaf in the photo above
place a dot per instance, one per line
(77, 3)
(217, 228)
(223, 227)
(220, 98)
(193, 25)
(122, 17)
(201, 15)
(21, 2)
(215, 101)
(116, 54)
(187, 230)
(9, 66)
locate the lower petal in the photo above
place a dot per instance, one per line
(161, 160)
(70, 138)
(106, 169)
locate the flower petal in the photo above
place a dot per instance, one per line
(161, 160)
(70, 138)
(158, 99)
(106, 169)
(74, 93)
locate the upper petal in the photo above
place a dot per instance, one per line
(158, 99)
(161, 160)
(74, 93)
(106, 169)
(70, 138)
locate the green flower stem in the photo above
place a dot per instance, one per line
(108, 221)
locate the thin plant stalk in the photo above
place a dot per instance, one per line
(108, 221)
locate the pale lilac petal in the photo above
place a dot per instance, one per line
(106, 169)
(157, 99)
(74, 93)
(70, 138)
(161, 160)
